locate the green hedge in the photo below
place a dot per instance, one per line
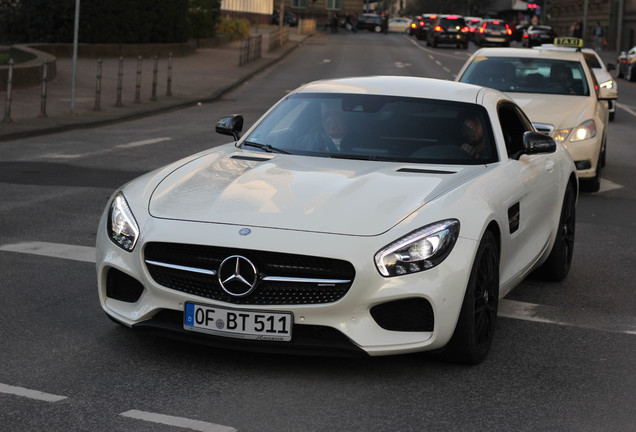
(110, 21)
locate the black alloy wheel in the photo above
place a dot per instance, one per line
(476, 325)
(557, 266)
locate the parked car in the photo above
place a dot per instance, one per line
(372, 22)
(290, 18)
(401, 238)
(560, 94)
(626, 64)
(400, 25)
(421, 24)
(493, 32)
(448, 29)
(538, 35)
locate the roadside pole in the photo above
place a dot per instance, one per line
(75, 37)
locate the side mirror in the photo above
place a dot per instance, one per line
(605, 93)
(232, 125)
(536, 143)
(611, 67)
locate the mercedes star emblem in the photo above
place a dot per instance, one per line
(237, 276)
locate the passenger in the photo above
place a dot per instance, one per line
(474, 138)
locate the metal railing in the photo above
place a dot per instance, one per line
(250, 49)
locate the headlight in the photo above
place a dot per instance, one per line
(419, 250)
(122, 227)
(585, 130)
(608, 84)
(561, 135)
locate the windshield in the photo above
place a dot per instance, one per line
(382, 128)
(528, 75)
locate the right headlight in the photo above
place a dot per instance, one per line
(419, 250)
(122, 226)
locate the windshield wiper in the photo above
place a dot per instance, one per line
(266, 147)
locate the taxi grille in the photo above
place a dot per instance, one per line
(298, 279)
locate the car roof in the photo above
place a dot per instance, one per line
(556, 54)
(403, 86)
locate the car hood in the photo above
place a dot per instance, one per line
(558, 110)
(302, 193)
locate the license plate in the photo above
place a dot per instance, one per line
(238, 323)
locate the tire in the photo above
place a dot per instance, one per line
(630, 74)
(476, 324)
(619, 73)
(612, 115)
(557, 266)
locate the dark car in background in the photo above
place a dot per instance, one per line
(372, 22)
(421, 24)
(538, 35)
(290, 18)
(448, 29)
(473, 24)
(493, 32)
(626, 64)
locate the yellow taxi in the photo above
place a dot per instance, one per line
(559, 93)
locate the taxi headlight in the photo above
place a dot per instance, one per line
(585, 130)
(122, 227)
(419, 250)
(561, 135)
(608, 84)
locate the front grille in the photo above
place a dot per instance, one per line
(179, 259)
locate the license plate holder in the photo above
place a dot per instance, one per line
(238, 323)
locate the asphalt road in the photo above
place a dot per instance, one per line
(563, 358)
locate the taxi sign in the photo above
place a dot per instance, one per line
(568, 42)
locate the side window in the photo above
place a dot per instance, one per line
(513, 125)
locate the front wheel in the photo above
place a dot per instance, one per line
(476, 324)
(630, 74)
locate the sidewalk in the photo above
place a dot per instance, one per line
(200, 77)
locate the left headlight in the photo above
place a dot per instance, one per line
(122, 226)
(585, 130)
(419, 250)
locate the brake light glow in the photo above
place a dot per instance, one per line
(465, 29)
(438, 29)
(496, 22)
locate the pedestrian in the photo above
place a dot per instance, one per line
(577, 29)
(598, 31)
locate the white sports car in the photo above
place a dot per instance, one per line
(376, 215)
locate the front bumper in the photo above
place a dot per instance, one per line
(349, 323)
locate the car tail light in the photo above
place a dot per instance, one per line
(481, 30)
(508, 30)
(438, 29)
(465, 29)
(495, 22)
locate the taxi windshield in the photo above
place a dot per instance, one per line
(528, 75)
(379, 128)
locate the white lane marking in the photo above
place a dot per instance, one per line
(55, 250)
(31, 394)
(143, 143)
(626, 108)
(507, 308)
(573, 318)
(607, 185)
(177, 421)
(108, 150)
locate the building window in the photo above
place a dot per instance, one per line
(299, 4)
(333, 4)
